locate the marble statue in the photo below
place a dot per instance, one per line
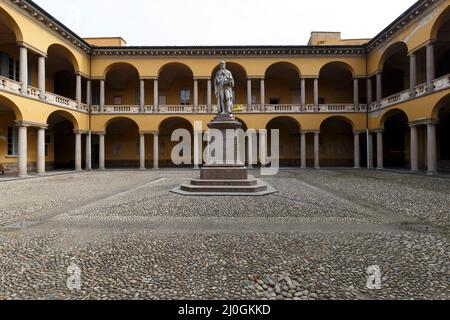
(224, 84)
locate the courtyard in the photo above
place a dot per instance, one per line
(314, 239)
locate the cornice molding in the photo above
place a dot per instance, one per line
(402, 22)
(43, 17)
(230, 51)
(411, 15)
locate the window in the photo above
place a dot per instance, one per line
(185, 97)
(117, 100)
(14, 69)
(12, 141)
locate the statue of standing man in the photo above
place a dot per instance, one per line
(224, 84)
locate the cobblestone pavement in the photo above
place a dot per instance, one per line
(315, 239)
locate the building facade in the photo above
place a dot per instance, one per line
(73, 103)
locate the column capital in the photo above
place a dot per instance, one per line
(142, 132)
(23, 123)
(355, 132)
(378, 130)
(309, 131)
(99, 133)
(310, 77)
(78, 131)
(256, 77)
(202, 78)
(422, 122)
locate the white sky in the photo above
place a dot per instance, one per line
(224, 22)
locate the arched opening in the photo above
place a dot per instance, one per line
(443, 134)
(122, 85)
(9, 113)
(9, 51)
(122, 143)
(60, 71)
(176, 85)
(336, 84)
(336, 142)
(395, 67)
(60, 141)
(396, 140)
(442, 45)
(240, 82)
(290, 139)
(166, 128)
(283, 84)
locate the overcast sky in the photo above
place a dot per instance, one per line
(224, 22)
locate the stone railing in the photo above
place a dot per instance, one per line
(61, 101)
(9, 85)
(441, 83)
(176, 109)
(15, 87)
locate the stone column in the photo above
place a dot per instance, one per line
(369, 150)
(41, 77)
(102, 95)
(155, 95)
(303, 92)
(303, 150)
(431, 72)
(40, 151)
(380, 155)
(413, 73)
(369, 91)
(414, 148)
(209, 95)
(142, 151)
(356, 92)
(379, 88)
(249, 95)
(101, 161)
(22, 154)
(195, 95)
(155, 150)
(316, 94)
(141, 95)
(357, 150)
(316, 150)
(23, 74)
(78, 90)
(88, 151)
(431, 148)
(263, 95)
(77, 150)
(89, 92)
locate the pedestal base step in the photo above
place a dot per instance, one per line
(249, 182)
(250, 187)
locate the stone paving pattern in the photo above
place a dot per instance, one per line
(133, 239)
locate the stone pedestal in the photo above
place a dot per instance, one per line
(227, 176)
